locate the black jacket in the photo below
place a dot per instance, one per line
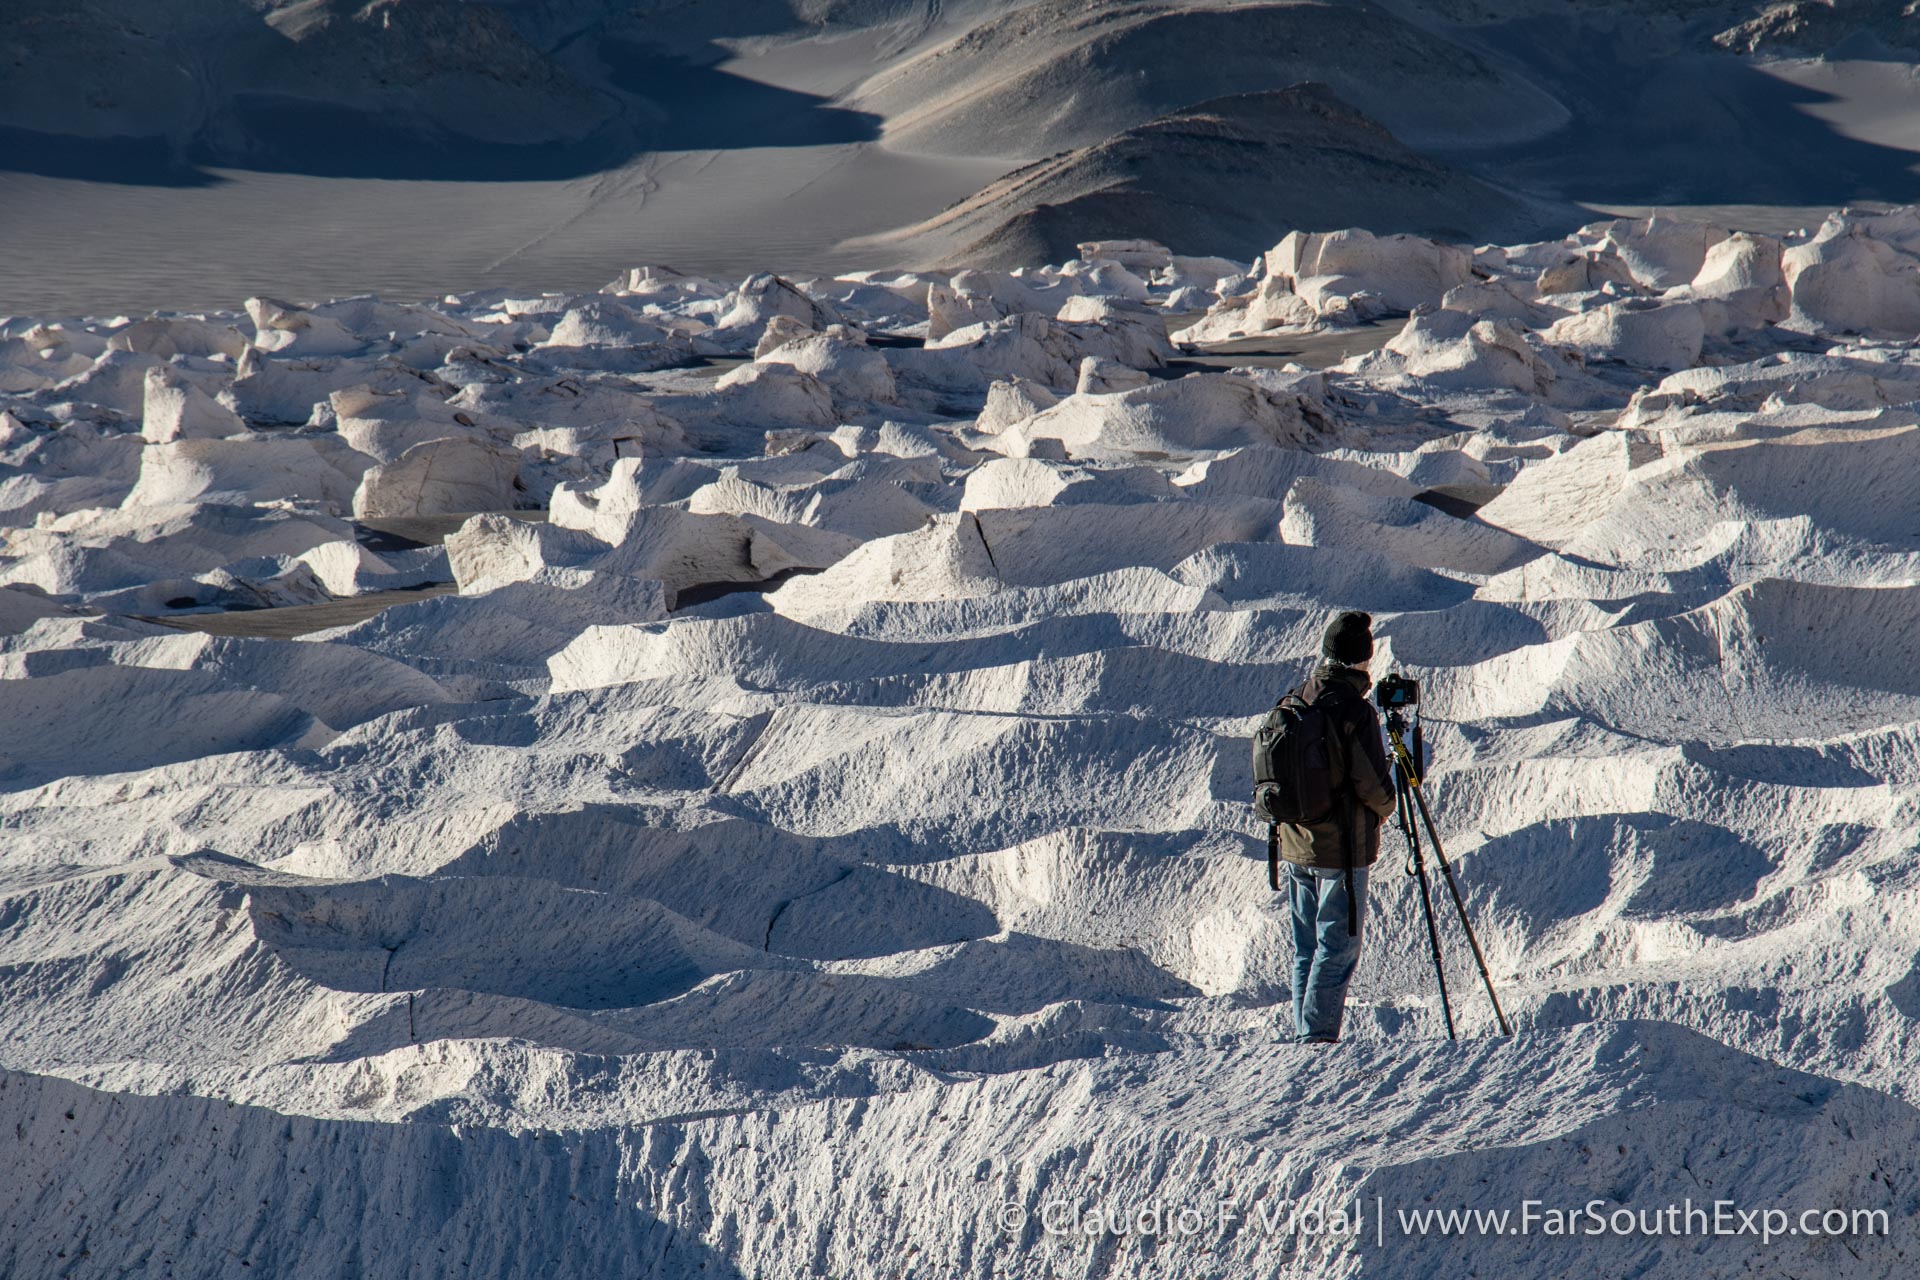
(1363, 765)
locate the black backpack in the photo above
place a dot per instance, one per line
(1293, 755)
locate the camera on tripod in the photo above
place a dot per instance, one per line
(1396, 691)
(1394, 695)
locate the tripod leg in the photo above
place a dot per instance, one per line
(1419, 869)
(1446, 870)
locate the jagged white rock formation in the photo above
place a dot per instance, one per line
(810, 819)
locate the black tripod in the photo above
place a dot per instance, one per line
(1406, 782)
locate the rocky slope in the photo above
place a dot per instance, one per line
(1223, 177)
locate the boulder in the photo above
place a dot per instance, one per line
(1128, 332)
(457, 474)
(758, 299)
(779, 332)
(1402, 271)
(1185, 271)
(1012, 401)
(284, 328)
(385, 424)
(950, 308)
(1100, 375)
(1585, 272)
(1138, 256)
(1742, 274)
(841, 359)
(1106, 280)
(1845, 280)
(246, 469)
(1453, 349)
(180, 336)
(1272, 305)
(1662, 253)
(774, 394)
(1646, 333)
(1197, 413)
(176, 408)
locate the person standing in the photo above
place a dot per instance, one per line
(1327, 861)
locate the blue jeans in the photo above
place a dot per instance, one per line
(1324, 953)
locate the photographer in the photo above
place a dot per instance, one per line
(1327, 860)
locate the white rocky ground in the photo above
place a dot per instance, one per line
(821, 843)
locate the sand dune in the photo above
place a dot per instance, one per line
(1222, 177)
(552, 145)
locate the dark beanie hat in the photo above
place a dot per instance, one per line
(1349, 638)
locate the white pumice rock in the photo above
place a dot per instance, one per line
(1661, 253)
(1454, 349)
(1100, 375)
(841, 359)
(773, 393)
(284, 328)
(1141, 257)
(1833, 382)
(177, 408)
(1187, 271)
(1014, 400)
(1644, 333)
(289, 392)
(591, 408)
(247, 469)
(603, 323)
(1106, 279)
(875, 300)
(971, 359)
(661, 284)
(613, 531)
(349, 568)
(1743, 274)
(1320, 514)
(1509, 299)
(454, 474)
(385, 424)
(950, 308)
(1271, 305)
(116, 381)
(1198, 413)
(1846, 280)
(1402, 271)
(1589, 271)
(780, 331)
(743, 314)
(1118, 328)
(1016, 483)
(1015, 291)
(1186, 300)
(180, 336)
(838, 800)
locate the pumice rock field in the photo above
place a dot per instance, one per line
(793, 819)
